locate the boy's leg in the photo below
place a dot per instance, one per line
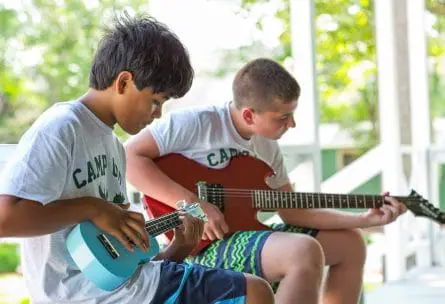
(294, 259)
(181, 283)
(345, 253)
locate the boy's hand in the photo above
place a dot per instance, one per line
(126, 226)
(216, 227)
(188, 235)
(386, 214)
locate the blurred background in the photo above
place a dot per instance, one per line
(372, 114)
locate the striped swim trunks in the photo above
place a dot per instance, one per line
(241, 251)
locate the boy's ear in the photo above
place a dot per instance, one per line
(248, 114)
(123, 80)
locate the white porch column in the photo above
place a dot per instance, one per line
(307, 176)
(390, 139)
(420, 121)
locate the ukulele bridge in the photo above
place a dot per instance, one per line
(108, 246)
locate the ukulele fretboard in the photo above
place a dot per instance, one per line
(162, 224)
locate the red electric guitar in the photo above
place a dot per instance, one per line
(240, 191)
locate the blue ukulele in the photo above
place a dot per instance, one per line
(105, 261)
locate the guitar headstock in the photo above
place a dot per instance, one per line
(422, 207)
(194, 209)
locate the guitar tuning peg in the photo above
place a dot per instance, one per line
(181, 204)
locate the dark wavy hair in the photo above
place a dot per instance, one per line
(146, 48)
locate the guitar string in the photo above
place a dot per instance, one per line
(248, 193)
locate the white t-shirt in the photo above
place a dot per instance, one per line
(208, 136)
(70, 153)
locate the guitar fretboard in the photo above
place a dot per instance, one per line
(266, 199)
(162, 224)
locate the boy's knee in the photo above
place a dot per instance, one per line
(306, 251)
(356, 243)
(258, 290)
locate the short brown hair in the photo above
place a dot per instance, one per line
(262, 82)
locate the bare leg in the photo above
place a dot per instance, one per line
(296, 260)
(258, 291)
(345, 253)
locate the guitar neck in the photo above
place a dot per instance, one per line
(162, 224)
(264, 199)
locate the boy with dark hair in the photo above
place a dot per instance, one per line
(70, 167)
(265, 97)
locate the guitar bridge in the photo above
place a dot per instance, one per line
(108, 246)
(212, 193)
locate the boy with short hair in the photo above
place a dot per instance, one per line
(265, 97)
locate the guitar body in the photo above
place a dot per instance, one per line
(243, 172)
(240, 190)
(96, 262)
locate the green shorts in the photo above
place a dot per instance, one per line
(241, 251)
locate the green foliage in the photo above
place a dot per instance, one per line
(346, 60)
(25, 301)
(9, 257)
(46, 49)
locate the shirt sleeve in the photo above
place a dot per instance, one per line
(281, 177)
(174, 133)
(38, 169)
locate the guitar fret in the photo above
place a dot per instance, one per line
(262, 198)
(263, 194)
(283, 199)
(260, 194)
(270, 195)
(275, 199)
(295, 203)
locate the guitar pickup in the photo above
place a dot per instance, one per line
(108, 246)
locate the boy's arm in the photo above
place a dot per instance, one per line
(143, 173)
(26, 218)
(187, 237)
(334, 219)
